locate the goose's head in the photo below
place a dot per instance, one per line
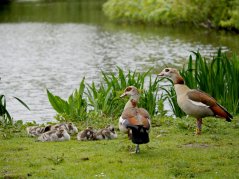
(173, 74)
(130, 91)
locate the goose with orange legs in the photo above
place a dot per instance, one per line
(194, 102)
(134, 121)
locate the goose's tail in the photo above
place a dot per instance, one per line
(140, 134)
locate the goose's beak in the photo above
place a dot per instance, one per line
(123, 95)
(161, 74)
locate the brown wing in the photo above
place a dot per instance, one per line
(200, 96)
(144, 113)
(145, 117)
(136, 116)
(129, 113)
(218, 110)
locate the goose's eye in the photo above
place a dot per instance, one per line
(166, 70)
(128, 89)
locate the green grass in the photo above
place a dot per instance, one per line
(173, 152)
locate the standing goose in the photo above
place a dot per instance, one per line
(134, 119)
(194, 102)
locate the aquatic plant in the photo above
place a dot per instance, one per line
(5, 117)
(102, 100)
(105, 99)
(73, 109)
(150, 99)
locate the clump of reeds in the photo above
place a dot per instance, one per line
(5, 117)
(103, 99)
(74, 109)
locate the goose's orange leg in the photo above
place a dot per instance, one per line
(199, 126)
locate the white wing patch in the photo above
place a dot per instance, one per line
(121, 120)
(198, 103)
(122, 127)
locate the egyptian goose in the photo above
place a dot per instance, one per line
(134, 120)
(194, 102)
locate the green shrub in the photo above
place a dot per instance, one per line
(213, 13)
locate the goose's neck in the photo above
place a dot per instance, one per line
(132, 103)
(178, 79)
(181, 89)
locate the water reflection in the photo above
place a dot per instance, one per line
(56, 11)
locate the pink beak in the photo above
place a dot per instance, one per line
(123, 95)
(161, 74)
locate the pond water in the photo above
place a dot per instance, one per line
(54, 44)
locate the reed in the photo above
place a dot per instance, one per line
(150, 99)
(5, 117)
(170, 96)
(104, 99)
(121, 80)
(4, 114)
(73, 109)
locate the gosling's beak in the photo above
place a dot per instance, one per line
(123, 95)
(160, 74)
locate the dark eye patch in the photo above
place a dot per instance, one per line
(166, 70)
(128, 89)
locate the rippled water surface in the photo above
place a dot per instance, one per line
(39, 55)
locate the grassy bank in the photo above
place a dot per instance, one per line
(210, 14)
(172, 152)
